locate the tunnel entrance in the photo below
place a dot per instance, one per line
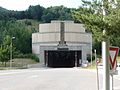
(62, 58)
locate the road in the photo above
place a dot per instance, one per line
(52, 79)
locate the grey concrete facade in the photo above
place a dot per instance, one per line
(49, 37)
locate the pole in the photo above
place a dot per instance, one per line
(96, 69)
(106, 78)
(97, 77)
(91, 54)
(11, 54)
(111, 82)
(105, 56)
(95, 56)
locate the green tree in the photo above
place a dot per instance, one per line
(5, 50)
(90, 13)
(20, 31)
(56, 13)
(35, 12)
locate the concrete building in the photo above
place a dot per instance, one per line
(62, 43)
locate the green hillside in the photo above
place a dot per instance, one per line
(30, 24)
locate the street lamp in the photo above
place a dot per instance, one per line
(11, 51)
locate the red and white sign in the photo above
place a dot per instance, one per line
(113, 53)
(97, 61)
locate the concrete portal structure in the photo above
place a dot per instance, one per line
(61, 43)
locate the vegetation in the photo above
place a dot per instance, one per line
(90, 13)
(21, 25)
(38, 13)
(18, 63)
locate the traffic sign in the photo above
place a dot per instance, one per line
(113, 53)
(97, 61)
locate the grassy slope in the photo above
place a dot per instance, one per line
(34, 23)
(19, 62)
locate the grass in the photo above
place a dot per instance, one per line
(18, 63)
(93, 66)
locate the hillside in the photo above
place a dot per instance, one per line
(38, 13)
(30, 24)
(3, 10)
(21, 25)
(22, 31)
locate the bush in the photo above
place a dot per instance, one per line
(89, 58)
(31, 56)
(27, 22)
(34, 57)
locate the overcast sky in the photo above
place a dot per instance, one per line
(24, 4)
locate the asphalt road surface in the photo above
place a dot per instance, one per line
(52, 79)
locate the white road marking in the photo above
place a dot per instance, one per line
(7, 73)
(33, 76)
(15, 71)
(115, 88)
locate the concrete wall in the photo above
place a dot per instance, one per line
(78, 37)
(55, 37)
(45, 37)
(54, 26)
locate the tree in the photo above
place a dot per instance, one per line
(12, 25)
(35, 12)
(56, 13)
(90, 13)
(5, 50)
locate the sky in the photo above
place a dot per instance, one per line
(24, 4)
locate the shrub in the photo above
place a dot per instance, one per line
(31, 56)
(89, 58)
(34, 57)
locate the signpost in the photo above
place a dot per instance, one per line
(105, 51)
(97, 61)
